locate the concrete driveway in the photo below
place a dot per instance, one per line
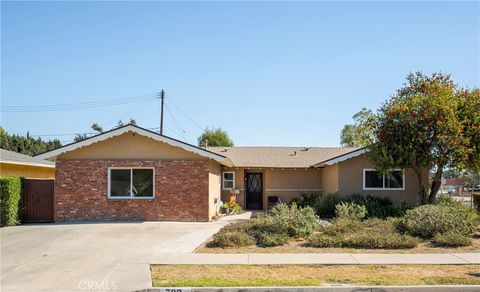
(91, 257)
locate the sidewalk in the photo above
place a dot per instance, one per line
(323, 259)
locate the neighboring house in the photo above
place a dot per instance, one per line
(131, 173)
(16, 164)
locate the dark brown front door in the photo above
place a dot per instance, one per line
(37, 200)
(254, 187)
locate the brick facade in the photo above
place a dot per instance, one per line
(181, 192)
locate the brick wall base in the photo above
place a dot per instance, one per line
(81, 186)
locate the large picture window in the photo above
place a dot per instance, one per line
(131, 183)
(228, 180)
(388, 180)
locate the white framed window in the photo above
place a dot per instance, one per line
(393, 179)
(131, 182)
(228, 180)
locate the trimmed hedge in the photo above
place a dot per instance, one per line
(10, 194)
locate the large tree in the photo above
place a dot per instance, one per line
(26, 144)
(430, 123)
(361, 132)
(214, 137)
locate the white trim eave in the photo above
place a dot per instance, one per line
(27, 163)
(341, 158)
(51, 155)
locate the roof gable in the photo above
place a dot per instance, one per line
(52, 155)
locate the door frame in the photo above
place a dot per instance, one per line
(262, 177)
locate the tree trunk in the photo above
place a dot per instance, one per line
(421, 187)
(436, 184)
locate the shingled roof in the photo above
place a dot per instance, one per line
(280, 157)
(11, 157)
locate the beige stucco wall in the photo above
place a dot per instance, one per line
(214, 190)
(329, 178)
(130, 146)
(351, 181)
(27, 171)
(284, 183)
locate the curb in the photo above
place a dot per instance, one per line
(338, 288)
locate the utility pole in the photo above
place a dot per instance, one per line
(161, 95)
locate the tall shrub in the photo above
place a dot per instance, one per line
(10, 193)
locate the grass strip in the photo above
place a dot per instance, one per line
(312, 275)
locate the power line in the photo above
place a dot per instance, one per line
(182, 132)
(74, 134)
(186, 115)
(80, 105)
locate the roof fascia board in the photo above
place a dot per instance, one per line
(140, 131)
(27, 163)
(342, 157)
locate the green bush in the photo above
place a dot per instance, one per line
(323, 240)
(460, 208)
(373, 239)
(232, 239)
(273, 229)
(342, 226)
(379, 207)
(323, 204)
(427, 220)
(451, 239)
(10, 193)
(292, 220)
(371, 233)
(350, 211)
(237, 209)
(271, 239)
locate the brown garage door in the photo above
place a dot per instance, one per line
(37, 200)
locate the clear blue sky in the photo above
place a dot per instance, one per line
(270, 73)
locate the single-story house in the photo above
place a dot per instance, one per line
(20, 165)
(131, 173)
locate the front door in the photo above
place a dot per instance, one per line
(254, 191)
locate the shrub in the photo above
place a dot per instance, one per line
(232, 239)
(323, 240)
(427, 220)
(323, 204)
(374, 239)
(271, 239)
(451, 239)
(292, 220)
(350, 211)
(379, 207)
(371, 233)
(342, 226)
(459, 207)
(10, 193)
(237, 209)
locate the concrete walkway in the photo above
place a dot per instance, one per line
(324, 259)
